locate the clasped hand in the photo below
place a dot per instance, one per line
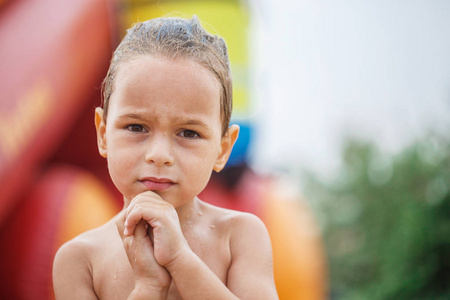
(152, 238)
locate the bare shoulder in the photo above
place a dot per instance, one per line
(73, 263)
(237, 223)
(251, 269)
(83, 246)
(246, 232)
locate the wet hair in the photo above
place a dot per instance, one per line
(174, 38)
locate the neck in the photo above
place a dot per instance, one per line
(188, 212)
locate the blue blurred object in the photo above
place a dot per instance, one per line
(239, 155)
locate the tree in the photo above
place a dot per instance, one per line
(386, 221)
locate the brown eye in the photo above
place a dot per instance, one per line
(135, 128)
(189, 134)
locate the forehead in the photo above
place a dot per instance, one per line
(175, 83)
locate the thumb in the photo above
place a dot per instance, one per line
(141, 229)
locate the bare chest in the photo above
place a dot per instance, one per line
(113, 276)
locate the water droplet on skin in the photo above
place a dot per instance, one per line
(115, 276)
(200, 213)
(212, 226)
(135, 260)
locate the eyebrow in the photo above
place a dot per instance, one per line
(195, 122)
(181, 122)
(130, 116)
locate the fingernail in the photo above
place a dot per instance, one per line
(126, 222)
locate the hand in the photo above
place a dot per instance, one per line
(149, 275)
(167, 238)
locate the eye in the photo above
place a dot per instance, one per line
(189, 134)
(135, 128)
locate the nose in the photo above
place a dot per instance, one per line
(159, 150)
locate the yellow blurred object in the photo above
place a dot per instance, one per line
(89, 204)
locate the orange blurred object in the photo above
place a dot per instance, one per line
(65, 202)
(299, 258)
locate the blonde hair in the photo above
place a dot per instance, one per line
(172, 38)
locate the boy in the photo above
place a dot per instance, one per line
(163, 128)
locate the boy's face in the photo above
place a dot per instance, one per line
(163, 130)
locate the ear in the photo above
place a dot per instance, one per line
(100, 126)
(226, 145)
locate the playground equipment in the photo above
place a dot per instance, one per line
(53, 55)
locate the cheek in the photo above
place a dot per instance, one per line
(203, 157)
(198, 179)
(121, 159)
(120, 167)
(117, 170)
(198, 164)
(120, 176)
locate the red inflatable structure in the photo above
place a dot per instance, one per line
(53, 55)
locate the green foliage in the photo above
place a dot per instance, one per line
(386, 222)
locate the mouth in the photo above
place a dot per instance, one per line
(157, 184)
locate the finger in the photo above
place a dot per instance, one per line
(143, 206)
(134, 213)
(131, 222)
(150, 234)
(120, 223)
(141, 229)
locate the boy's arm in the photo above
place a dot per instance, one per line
(251, 271)
(249, 277)
(72, 278)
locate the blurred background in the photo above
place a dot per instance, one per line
(344, 149)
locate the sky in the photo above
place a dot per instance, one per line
(326, 69)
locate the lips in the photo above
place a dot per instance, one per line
(157, 184)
